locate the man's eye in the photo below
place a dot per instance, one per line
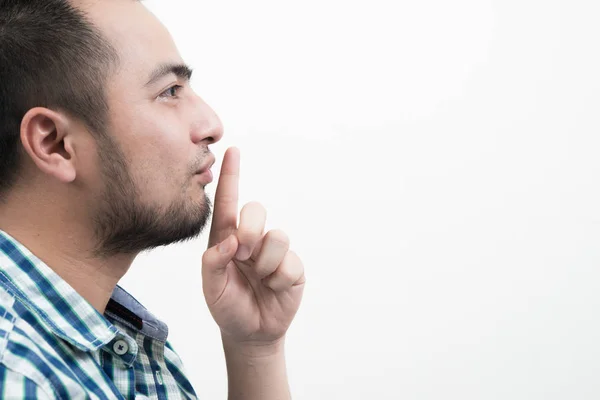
(171, 92)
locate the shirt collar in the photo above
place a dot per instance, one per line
(61, 309)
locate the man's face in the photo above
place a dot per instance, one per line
(149, 192)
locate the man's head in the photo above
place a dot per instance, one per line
(96, 110)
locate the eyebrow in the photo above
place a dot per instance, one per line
(182, 71)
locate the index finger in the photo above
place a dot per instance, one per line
(224, 220)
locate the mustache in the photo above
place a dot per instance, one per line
(199, 161)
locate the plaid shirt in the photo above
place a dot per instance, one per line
(55, 345)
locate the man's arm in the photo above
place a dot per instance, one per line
(253, 285)
(256, 373)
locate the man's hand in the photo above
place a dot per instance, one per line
(252, 282)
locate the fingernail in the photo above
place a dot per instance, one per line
(243, 253)
(224, 246)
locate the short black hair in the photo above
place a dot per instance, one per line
(51, 55)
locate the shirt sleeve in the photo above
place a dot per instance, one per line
(14, 385)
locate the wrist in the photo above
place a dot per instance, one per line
(254, 350)
(256, 370)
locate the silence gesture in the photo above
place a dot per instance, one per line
(252, 282)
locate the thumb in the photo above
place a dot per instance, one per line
(215, 260)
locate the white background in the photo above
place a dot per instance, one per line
(435, 165)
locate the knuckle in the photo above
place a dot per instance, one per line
(266, 270)
(248, 236)
(289, 275)
(291, 260)
(265, 273)
(278, 236)
(296, 265)
(292, 256)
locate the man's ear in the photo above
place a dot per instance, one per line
(48, 139)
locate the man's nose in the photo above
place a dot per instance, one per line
(207, 126)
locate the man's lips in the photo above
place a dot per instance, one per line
(204, 171)
(206, 177)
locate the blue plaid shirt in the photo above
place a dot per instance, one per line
(55, 345)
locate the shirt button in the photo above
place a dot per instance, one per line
(121, 347)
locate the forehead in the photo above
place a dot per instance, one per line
(140, 39)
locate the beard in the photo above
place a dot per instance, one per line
(124, 225)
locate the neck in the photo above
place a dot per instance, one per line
(54, 235)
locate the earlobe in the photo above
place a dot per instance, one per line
(46, 138)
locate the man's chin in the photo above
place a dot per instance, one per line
(195, 224)
(149, 230)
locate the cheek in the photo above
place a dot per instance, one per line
(162, 130)
(163, 165)
(158, 145)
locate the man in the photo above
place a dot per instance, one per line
(104, 152)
